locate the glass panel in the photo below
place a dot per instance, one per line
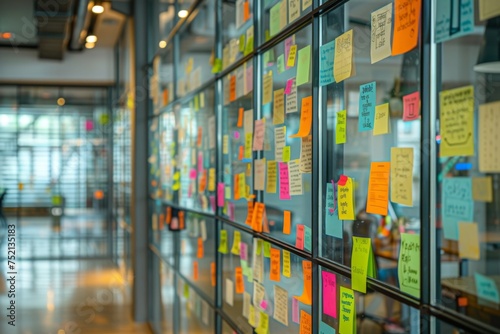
(369, 139)
(287, 149)
(278, 14)
(196, 315)
(237, 30)
(238, 102)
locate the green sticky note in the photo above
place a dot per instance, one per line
(236, 243)
(307, 238)
(223, 242)
(196, 103)
(259, 247)
(249, 46)
(217, 65)
(281, 63)
(304, 65)
(267, 35)
(286, 154)
(186, 290)
(250, 275)
(409, 264)
(361, 249)
(347, 317)
(372, 268)
(267, 249)
(274, 19)
(486, 288)
(242, 43)
(340, 129)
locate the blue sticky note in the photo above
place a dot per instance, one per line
(486, 288)
(458, 205)
(326, 56)
(307, 238)
(367, 100)
(325, 329)
(453, 19)
(333, 225)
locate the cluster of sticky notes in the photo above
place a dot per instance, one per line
(362, 262)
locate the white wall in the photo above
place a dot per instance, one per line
(89, 67)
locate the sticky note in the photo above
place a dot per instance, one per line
(361, 252)
(346, 201)
(279, 107)
(333, 226)
(288, 44)
(238, 278)
(293, 10)
(286, 154)
(306, 4)
(240, 117)
(381, 33)
(411, 106)
(213, 273)
(305, 323)
(235, 249)
(223, 248)
(229, 292)
(248, 146)
(186, 290)
(343, 64)
(287, 266)
(287, 222)
(367, 100)
(195, 270)
(306, 297)
(482, 190)
(199, 253)
(341, 127)
(488, 9)
(275, 270)
(347, 317)
(406, 25)
(292, 55)
(259, 174)
(305, 118)
(378, 188)
(259, 292)
(267, 88)
(295, 310)
(454, 23)
(283, 15)
(267, 249)
(409, 264)
(381, 123)
(258, 215)
(249, 41)
(232, 88)
(279, 142)
(211, 179)
(325, 329)
(402, 175)
(329, 284)
(303, 65)
(241, 43)
(263, 327)
(307, 238)
(305, 161)
(326, 56)
(299, 237)
(486, 288)
(251, 316)
(248, 121)
(271, 177)
(291, 97)
(457, 138)
(220, 194)
(280, 305)
(284, 181)
(250, 206)
(281, 63)
(468, 241)
(489, 150)
(274, 19)
(458, 205)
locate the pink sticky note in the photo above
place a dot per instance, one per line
(200, 162)
(329, 293)
(249, 78)
(258, 138)
(342, 180)
(284, 181)
(243, 251)
(411, 106)
(288, 87)
(299, 241)
(263, 304)
(230, 210)
(212, 202)
(89, 125)
(220, 194)
(288, 45)
(236, 135)
(295, 310)
(192, 174)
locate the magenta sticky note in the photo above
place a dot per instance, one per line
(243, 251)
(288, 45)
(411, 106)
(288, 87)
(263, 304)
(192, 174)
(329, 293)
(284, 181)
(89, 125)
(230, 210)
(220, 194)
(200, 162)
(299, 239)
(236, 135)
(295, 310)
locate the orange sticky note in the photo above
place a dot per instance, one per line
(299, 240)
(241, 153)
(240, 117)
(199, 137)
(275, 271)
(305, 323)
(236, 189)
(246, 11)
(168, 217)
(286, 222)
(250, 205)
(195, 270)
(240, 284)
(181, 220)
(406, 25)
(213, 273)
(378, 188)
(305, 118)
(306, 297)
(199, 254)
(232, 88)
(258, 214)
(162, 221)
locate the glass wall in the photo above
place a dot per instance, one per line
(329, 166)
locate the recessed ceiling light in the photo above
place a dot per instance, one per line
(89, 45)
(162, 44)
(91, 39)
(183, 13)
(98, 9)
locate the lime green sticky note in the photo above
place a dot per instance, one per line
(223, 242)
(409, 264)
(267, 249)
(249, 46)
(286, 154)
(242, 42)
(347, 317)
(217, 65)
(340, 130)
(372, 268)
(196, 103)
(274, 19)
(267, 35)
(304, 65)
(361, 248)
(236, 243)
(259, 247)
(281, 63)
(250, 275)
(186, 290)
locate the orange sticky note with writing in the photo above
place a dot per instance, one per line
(240, 283)
(378, 188)
(199, 254)
(241, 153)
(305, 323)
(162, 221)
(286, 222)
(232, 88)
(305, 118)
(246, 11)
(168, 217)
(406, 25)
(306, 296)
(203, 181)
(213, 273)
(181, 220)
(236, 189)
(200, 136)
(240, 118)
(250, 213)
(258, 215)
(275, 271)
(195, 270)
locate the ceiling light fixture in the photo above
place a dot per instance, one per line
(183, 13)
(89, 45)
(162, 44)
(97, 8)
(91, 38)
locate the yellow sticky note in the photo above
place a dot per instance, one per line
(343, 64)
(482, 190)
(279, 107)
(457, 121)
(263, 327)
(346, 200)
(251, 316)
(402, 175)
(381, 125)
(236, 243)
(211, 179)
(489, 150)
(248, 145)
(267, 88)
(287, 267)
(223, 248)
(290, 62)
(468, 241)
(341, 128)
(286, 154)
(225, 144)
(271, 177)
(378, 188)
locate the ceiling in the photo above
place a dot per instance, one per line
(54, 27)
